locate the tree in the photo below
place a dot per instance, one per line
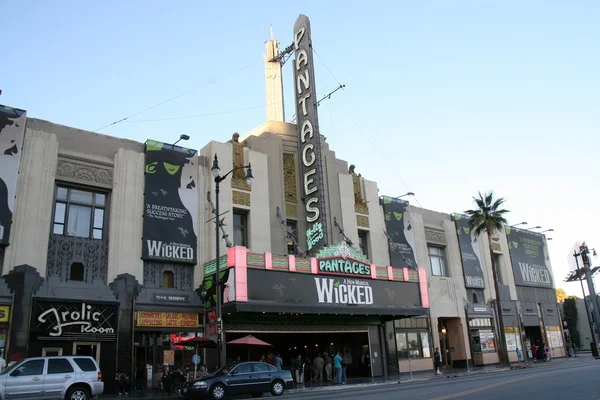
(488, 217)
(561, 295)
(570, 316)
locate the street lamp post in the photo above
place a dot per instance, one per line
(218, 179)
(584, 252)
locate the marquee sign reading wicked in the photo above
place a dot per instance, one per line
(470, 254)
(171, 203)
(70, 321)
(399, 230)
(12, 130)
(309, 141)
(529, 256)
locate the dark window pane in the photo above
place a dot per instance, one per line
(34, 367)
(62, 193)
(59, 213)
(168, 279)
(58, 229)
(260, 367)
(82, 196)
(98, 218)
(244, 368)
(79, 221)
(97, 234)
(100, 199)
(86, 364)
(237, 219)
(77, 272)
(59, 366)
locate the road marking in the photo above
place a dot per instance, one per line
(480, 389)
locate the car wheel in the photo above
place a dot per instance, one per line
(218, 392)
(277, 388)
(78, 393)
(256, 394)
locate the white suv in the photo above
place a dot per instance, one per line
(60, 377)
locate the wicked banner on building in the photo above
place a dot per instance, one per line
(399, 230)
(171, 203)
(12, 130)
(529, 257)
(227, 277)
(343, 295)
(470, 254)
(309, 139)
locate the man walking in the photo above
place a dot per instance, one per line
(319, 364)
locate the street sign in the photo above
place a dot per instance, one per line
(196, 359)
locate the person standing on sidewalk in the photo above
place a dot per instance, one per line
(300, 364)
(328, 362)
(337, 365)
(319, 365)
(437, 361)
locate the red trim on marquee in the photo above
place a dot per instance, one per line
(390, 273)
(269, 261)
(423, 287)
(292, 263)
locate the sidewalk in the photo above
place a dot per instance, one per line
(405, 377)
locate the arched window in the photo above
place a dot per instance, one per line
(168, 279)
(474, 298)
(77, 272)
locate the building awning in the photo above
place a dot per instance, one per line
(479, 311)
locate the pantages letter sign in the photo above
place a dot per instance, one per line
(470, 254)
(54, 320)
(171, 203)
(309, 141)
(344, 266)
(12, 130)
(529, 257)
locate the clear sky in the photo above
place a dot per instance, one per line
(442, 98)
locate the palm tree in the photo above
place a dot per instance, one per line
(489, 217)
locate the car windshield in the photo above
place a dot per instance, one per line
(224, 370)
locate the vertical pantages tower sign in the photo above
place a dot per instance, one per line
(400, 233)
(469, 252)
(171, 203)
(529, 258)
(12, 130)
(309, 141)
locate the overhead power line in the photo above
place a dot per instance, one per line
(174, 98)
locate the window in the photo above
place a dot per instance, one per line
(260, 367)
(245, 368)
(437, 258)
(482, 340)
(86, 364)
(475, 298)
(77, 272)
(79, 212)
(168, 279)
(363, 243)
(59, 366)
(498, 265)
(240, 228)
(413, 344)
(33, 367)
(292, 228)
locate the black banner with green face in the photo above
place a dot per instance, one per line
(401, 237)
(470, 254)
(171, 204)
(529, 256)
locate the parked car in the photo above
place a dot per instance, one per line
(253, 378)
(57, 377)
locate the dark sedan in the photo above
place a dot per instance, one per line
(253, 378)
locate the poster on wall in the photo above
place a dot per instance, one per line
(12, 131)
(529, 257)
(513, 338)
(227, 288)
(400, 233)
(171, 203)
(470, 253)
(309, 138)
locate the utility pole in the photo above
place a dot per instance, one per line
(585, 256)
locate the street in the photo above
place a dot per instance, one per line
(573, 382)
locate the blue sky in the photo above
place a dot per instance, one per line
(444, 98)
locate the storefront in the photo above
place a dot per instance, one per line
(68, 327)
(314, 306)
(482, 334)
(4, 325)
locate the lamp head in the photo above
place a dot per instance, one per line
(183, 136)
(249, 176)
(215, 168)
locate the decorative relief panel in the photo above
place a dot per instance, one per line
(84, 172)
(362, 221)
(183, 275)
(238, 178)
(241, 198)
(291, 210)
(65, 250)
(435, 237)
(361, 208)
(497, 247)
(289, 177)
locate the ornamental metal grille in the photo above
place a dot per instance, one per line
(63, 251)
(183, 275)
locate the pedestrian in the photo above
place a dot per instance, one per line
(319, 365)
(337, 365)
(343, 370)
(278, 361)
(519, 355)
(271, 360)
(534, 352)
(437, 361)
(300, 364)
(548, 353)
(328, 362)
